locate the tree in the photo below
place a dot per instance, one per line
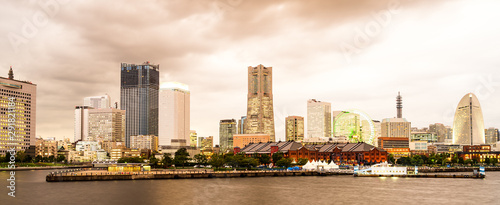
(61, 158)
(38, 158)
(167, 160)
(7, 157)
(153, 161)
(487, 161)
(201, 159)
(130, 160)
(493, 161)
(277, 156)
(264, 159)
(416, 160)
(20, 156)
(302, 161)
(51, 158)
(469, 162)
(217, 160)
(284, 162)
(390, 158)
(181, 157)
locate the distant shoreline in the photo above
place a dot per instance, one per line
(44, 168)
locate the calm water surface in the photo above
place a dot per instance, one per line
(31, 188)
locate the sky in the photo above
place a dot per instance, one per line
(353, 54)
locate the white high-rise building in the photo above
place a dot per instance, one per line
(174, 113)
(97, 102)
(319, 119)
(82, 123)
(468, 124)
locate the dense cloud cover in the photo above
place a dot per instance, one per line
(354, 54)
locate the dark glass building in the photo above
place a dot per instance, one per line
(139, 98)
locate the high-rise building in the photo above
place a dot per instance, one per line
(319, 119)
(206, 143)
(18, 116)
(107, 124)
(399, 105)
(260, 114)
(491, 135)
(97, 102)
(144, 142)
(439, 130)
(468, 124)
(193, 136)
(227, 129)
(174, 113)
(395, 127)
(241, 125)
(82, 123)
(139, 98)
(294, 128)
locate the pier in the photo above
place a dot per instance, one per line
(78, 175)
(440, 175)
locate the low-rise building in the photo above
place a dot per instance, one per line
(46, 148)
(144, 142)
(118, 153)
(346, 153)
(242, 140)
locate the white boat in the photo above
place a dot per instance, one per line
(384, 169)
(387, 169)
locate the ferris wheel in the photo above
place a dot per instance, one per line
(355, 125)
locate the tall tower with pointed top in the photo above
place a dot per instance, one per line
(399, 105)
(260, 115)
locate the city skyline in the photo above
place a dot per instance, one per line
(432, 83)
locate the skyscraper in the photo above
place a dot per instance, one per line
(19, 104)
(491, 135)
(139, 98)
(399, 105)
(227, 129)
(97, 102)
(193, 136)
(174, 120)
(106, 124)
(260, 114)
(82, 123)
(294, 128)
(319, 119)
(468, 124)
(241, 125)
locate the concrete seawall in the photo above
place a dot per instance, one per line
(189, 175)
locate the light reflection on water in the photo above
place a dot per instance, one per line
(31, 188)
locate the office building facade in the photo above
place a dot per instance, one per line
(107, 124)
(227, 128)
(139, 98)
(294, 128)
(18, 106)
(319, 119)
(174, 119)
